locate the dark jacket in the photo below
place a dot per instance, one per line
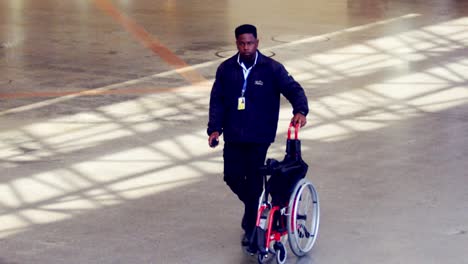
(258, 123)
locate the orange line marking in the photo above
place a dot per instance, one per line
(117, 91)
(181, 67)
(150, 42)
(80, 93)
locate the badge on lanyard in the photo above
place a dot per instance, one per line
(241, 103)
(241, 99)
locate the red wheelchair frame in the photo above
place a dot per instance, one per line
(278, 221)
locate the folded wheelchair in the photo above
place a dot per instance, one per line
(288, 207)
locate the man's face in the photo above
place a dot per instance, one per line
(247, 45)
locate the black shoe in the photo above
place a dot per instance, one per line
(247, 245)
(250, 251)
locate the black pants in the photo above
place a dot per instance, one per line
(241, 164)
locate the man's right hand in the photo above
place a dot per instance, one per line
(213, 139)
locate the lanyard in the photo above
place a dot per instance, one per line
(246, 74)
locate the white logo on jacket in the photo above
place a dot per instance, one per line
(258, 82)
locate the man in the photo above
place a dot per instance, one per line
(244, 105)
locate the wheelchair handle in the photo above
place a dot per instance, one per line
(296, 130)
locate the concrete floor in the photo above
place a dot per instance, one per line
(103, 111)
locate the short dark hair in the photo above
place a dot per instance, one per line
(246, 29)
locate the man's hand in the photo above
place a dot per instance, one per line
(213, 139)
(300, 119)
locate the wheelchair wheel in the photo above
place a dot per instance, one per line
(281, 253)
(303, 218)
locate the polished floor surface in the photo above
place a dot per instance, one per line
(103, 112)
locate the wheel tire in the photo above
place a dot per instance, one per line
(303, 218)
(262, 259)
(281, 253)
